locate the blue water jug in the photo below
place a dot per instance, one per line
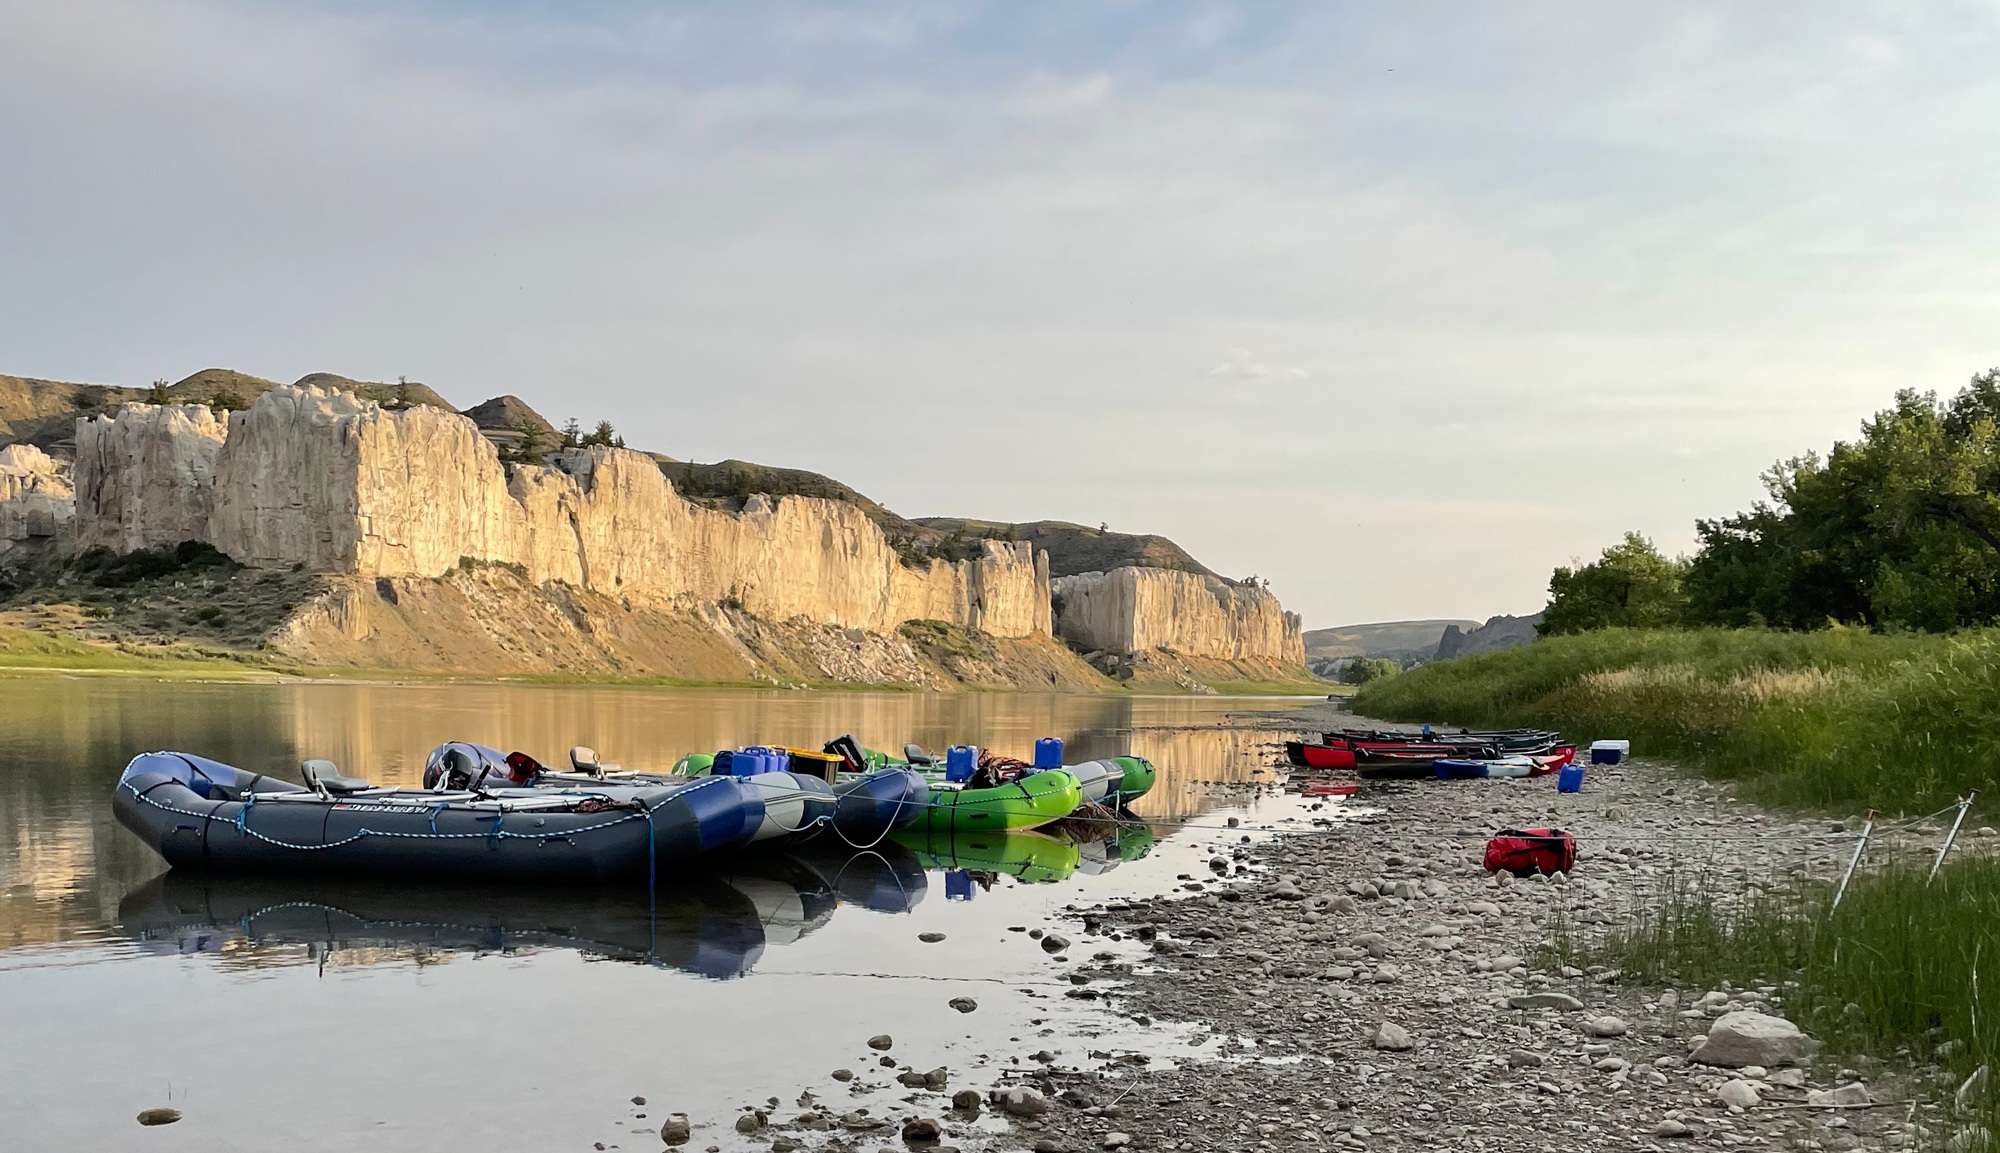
(1570, 780)
(1049, 753)
(958, 885)
(959, 761)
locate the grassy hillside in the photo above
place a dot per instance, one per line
(44, 412)
(1074, 548)
(1384, 639)
(1838, 717)
(23, 649)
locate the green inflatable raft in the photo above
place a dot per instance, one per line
(1138, 774)
(1035, 799)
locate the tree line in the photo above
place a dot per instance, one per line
(1899, 529)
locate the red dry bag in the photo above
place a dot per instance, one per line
(1523, 852)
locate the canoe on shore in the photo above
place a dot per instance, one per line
(1324, 758)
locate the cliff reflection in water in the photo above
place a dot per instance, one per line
(65, 864)
(712, 924)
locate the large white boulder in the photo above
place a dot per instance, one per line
(1750, 1038)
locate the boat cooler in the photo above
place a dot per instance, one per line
(1609, 752)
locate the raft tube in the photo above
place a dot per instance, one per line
(1034, 800)
(1140, 777)
(796, 808)
(871, 805)
(200, 813)
(1097, 781)
(861, 807)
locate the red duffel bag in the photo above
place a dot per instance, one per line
(1523, 852)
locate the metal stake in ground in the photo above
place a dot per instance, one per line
(1964, 804)
(1860, 846)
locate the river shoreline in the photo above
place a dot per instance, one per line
(1296, 990)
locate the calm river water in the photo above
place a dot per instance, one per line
(318, 1015)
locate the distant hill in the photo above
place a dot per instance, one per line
(398, 395)
(510, 413)
(727, 484)
(1501, 632)
(1400, 639)
(1074, 549)
(43, 412)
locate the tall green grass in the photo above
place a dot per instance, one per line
(1901, 965)
(1833, 718)
(24, 649)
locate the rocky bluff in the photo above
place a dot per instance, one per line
(1130, 610)
(392, 505)
(319, 479)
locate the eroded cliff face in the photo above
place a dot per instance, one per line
(36, 499)
(1138, 610)
(491, 620)
(315, 478)
(436, 555)
(146, 477)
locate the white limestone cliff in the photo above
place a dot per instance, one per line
(321, 480)
(146, 476)
(36, 500)
(1130, 610)
(317, 480)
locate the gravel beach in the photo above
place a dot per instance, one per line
(1369, 985)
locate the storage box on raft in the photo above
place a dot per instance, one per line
(807, 763)
(1609, 752)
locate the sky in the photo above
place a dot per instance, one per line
(1396, 306)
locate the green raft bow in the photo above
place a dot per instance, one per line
(1140, 777)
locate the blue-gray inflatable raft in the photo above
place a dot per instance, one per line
(199, 813)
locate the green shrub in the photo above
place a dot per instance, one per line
(1367, 670)
(107, 569)
(1631, 585)
(1830, 718)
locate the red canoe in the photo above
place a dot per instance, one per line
(1326, 757)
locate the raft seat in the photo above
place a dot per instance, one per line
(583, 759)
(325, 777)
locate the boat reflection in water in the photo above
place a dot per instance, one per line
(710, 924)
(973, 862)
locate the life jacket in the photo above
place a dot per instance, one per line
(1524, 852)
